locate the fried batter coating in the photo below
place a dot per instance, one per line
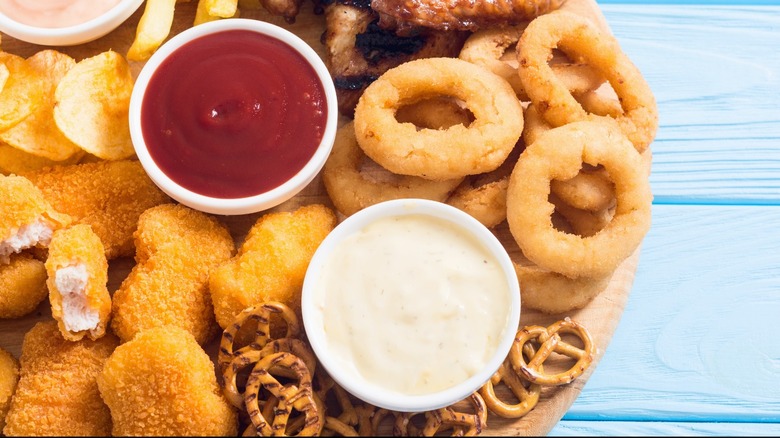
(57, 392)
(77, 276)
(176, 250)
(9, 377)
(108, 195)
(22, 285)
(27, 220)
(163, 383)
(272, 261)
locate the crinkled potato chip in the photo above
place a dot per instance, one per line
(22, 92)
(92, 106)
(4, 73)
(37, 134)
(15, 161)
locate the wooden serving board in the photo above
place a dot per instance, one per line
(600, 317)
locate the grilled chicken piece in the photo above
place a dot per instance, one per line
(359, 51)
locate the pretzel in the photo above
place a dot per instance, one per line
(550, 340)
(444, 419)
(528, 396)
(262, 316)
(291, 396)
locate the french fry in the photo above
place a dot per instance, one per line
(152, 30)
(221, 8)
(202, 14)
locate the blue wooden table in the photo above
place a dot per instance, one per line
(697, 351)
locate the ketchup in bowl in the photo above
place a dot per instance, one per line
(233, 116)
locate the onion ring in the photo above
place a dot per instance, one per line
(351, 190)
(559, 154)
(488, 48)
(439, 154)
(552, 293)
(484, 196)
(581, 40)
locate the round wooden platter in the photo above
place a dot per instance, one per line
(600, 316)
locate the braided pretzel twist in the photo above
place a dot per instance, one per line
(262, 316)
(528, 396)
(298, 396)
(550, 340)
(444, 419)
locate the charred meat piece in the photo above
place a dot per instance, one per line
(459, 14)
(359, 51)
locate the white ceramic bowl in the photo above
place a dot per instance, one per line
(344, 373)
(242, 205)
(71, 35)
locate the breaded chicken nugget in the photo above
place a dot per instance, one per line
(77, 276)
(177, 248)
(9, 377)
(108, 195)
(163, 383)
(57, 392)
(22, 285)
(272, 261)
(26, 218)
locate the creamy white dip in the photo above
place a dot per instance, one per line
(413, 304)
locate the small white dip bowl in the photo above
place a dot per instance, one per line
(71, 35)
(332, 334)
(244, 204)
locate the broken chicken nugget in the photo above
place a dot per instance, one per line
(163, 383)
(176, 250)
(26, 219)
(77, 276)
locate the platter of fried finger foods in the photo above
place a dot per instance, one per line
(256, 217)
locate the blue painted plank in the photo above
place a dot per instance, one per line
(625, 428)
(698, 340)
(715, 71)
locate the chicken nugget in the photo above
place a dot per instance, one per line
(9, 377)
(77, 272)
(272, 261)
(163, 383)
(57, 393)
(176, 250)
(22, 285)
(26, 218)
(108, 195)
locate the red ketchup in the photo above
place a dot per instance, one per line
(233, 114)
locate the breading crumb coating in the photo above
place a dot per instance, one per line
(9, 377)
(272, 261)
(163, 383)
(176, 250)
(80, 309)
(108, 195)
(57, 392)
(22, 285)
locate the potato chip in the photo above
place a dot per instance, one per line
(15, 161)
(38, 134)
(92, 105)
(4, 73)
(22, 92)
(152, 30)
(208, 10)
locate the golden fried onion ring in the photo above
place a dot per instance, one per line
(552, 293)
(581, 40)
(439, 154)
(488, 47)
(351, 190)
(559, 154)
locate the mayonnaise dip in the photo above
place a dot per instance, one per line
(413, 304)
(55, 13)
